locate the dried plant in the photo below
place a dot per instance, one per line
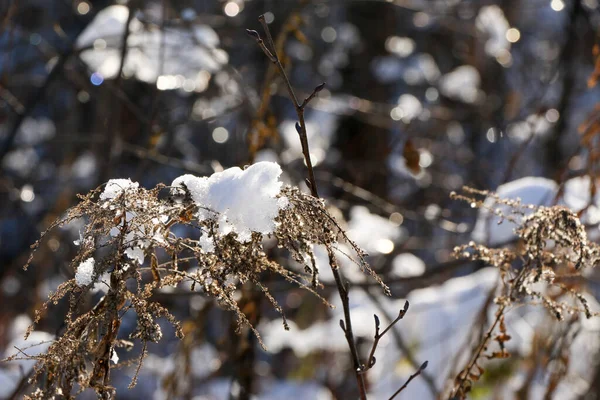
(125, 225)
(551, 251)
(129, 248)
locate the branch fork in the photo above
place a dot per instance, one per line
(346, 323)
(300, 107)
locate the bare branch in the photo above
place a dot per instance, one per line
(371, 360)
(413, 376)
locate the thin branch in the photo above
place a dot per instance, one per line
(347, 326)
(371, 360)
(300, 125)
(301, 128)
(402, 346)
(261, 44)
(413, 376)
(315, 91)
(482, 346)
(485, 340)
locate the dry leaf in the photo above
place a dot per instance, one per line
(412, 157)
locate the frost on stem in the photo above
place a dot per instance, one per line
(231, 211)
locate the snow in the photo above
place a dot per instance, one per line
(435, 328)
(84, 166)
(531, 190)
(387, 69)
(492, 22)
(19, 326)
(8, 382)
(420, 69)
(415, 69)
(401, 46)
(426, 67)
(206, 243)
(115, 187)
(349, 269)
(85, 272)
(102, 283)
(286, 389)
(137, 238)
(204, 360)
(407, 265)
(188, 14)
(576, 196)
(108, 23)
(372, 232)
(461, 84)
(522, 325)
(175, 54)
(534, 124)
(114, 357)
(136, 254)
(244, 199)
(411, 107)
(37, 343)
(35, 131)
(21, 161)
(320, 127)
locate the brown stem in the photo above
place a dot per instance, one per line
(429, 380)
(378, 336)
(347, 326)
(301, 128)
(413, 376)
(480, 349)
(488, 335)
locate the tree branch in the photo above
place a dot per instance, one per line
(346, 324)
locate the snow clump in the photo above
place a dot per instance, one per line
(246, 200)
(372, 232)
(115, 187)
(85, 272)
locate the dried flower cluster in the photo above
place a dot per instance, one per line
(543, 267)
(128, 248)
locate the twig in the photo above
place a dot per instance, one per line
(256, 135)
(371, 360)
(429, 380)
(300, 125)
(482, 346)
(346, 324)
(477, 331)
(464, 374)
(413, 376)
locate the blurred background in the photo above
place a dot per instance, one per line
(421, 98)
